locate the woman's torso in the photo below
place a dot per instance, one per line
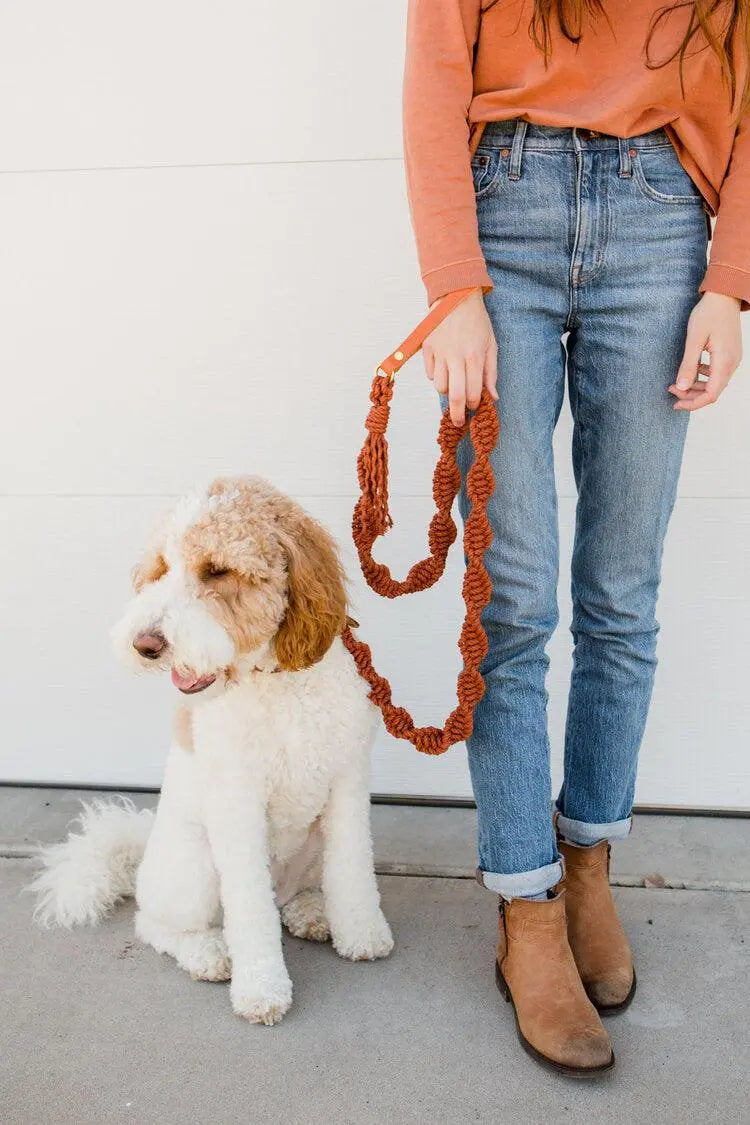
(604, 82)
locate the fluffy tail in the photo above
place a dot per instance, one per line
(86, 875)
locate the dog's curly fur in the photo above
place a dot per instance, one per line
(265, 801)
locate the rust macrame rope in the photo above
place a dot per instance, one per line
(372, 519)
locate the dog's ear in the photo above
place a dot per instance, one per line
(316, 611)
(150, 568)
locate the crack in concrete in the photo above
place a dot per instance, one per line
(670, 883)
(426, 871)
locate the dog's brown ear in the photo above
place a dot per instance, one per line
(151, 568)
(316, 612)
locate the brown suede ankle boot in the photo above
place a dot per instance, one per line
(595, 933)
(556, 1022)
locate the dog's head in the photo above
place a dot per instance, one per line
(237, 577)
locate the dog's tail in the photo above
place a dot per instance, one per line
(86, 875)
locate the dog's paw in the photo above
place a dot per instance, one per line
(205, 956)
(202, 953)
(367, 942)
(305, 917)
(261, 997)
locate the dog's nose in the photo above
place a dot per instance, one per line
(150, 645)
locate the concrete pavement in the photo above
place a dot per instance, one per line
(98, 1029)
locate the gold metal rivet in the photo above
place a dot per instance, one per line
(398, 355)
(632, 152)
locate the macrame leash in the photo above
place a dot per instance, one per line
(372, 519)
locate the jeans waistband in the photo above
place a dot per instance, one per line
(518, 136)
(551, 137)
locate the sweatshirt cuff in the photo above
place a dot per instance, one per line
(728, 280)
(458, 275)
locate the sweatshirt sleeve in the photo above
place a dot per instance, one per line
(438, 88)
(729, 264)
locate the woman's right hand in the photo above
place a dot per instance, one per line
(460, 357)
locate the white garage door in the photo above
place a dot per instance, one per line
(205, 249)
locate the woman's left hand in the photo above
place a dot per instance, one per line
(714, 327)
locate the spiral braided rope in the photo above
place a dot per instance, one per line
(372, 519)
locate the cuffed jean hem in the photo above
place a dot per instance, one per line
(521, 884)
(579, 832)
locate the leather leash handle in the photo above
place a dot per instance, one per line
(413, 342)
(371, 519)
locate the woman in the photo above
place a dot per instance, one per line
(564, 156)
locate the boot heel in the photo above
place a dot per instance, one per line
(500, 982)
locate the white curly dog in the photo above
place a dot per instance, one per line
(264, 813)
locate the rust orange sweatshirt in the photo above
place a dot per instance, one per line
(465, 67)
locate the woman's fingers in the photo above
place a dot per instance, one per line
(490, 369)
(701, 394)
(460, 357)
(695, 342)
(462, 379)
(428, 357)
(698, 377)
(474, 377)
(440, 375)
(457, 391)
(714, 326)
(697, 401)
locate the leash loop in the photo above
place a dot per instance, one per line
(372, 519)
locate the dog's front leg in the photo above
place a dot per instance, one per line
(261, 990)
(359, 929)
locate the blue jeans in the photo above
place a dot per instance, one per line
(596, 248)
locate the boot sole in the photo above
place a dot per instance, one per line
(543, 1060)
(615, 1009)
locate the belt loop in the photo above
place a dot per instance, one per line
(514, 172)
(626, 168)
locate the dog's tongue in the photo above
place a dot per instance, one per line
(189, 682)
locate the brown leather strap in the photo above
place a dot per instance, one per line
(413, 342)
(372, 519)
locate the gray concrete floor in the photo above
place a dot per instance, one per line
(97, 1028)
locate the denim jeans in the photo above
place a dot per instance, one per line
(596, 248)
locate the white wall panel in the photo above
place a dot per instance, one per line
(71, 715)
(95, 83)
(211, 297)
(163, 324)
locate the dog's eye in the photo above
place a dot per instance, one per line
(151, 569)
(210, 571)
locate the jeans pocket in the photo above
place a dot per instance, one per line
(660, 176)
(486, 164)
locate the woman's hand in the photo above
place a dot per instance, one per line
(714, 326)
(460, 356)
